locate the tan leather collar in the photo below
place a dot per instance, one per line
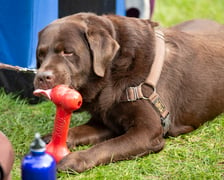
(157, 65)
(135, 93)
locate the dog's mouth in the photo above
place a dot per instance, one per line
(39, 84)
(44, 86)
(47, 86)
(48, 80)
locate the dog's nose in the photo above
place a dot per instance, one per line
(45, 77)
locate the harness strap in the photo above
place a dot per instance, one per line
(158, 62)
(135, 93)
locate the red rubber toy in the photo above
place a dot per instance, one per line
(66, 100)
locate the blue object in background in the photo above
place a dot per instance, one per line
(120, 7)
(38, 165)
(20, 22)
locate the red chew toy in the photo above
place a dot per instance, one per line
(66, 101)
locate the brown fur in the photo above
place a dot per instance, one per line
(201, 26)
(101, 56)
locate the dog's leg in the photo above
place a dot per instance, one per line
(93, 132)
(176, 130)
(88, 134)
(137, 141)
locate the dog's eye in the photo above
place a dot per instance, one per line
(66, 53)
(41, 54)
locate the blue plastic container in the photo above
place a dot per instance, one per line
(20, 22)
(38, 165)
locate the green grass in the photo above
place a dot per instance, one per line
(170, 12)
(197, 155)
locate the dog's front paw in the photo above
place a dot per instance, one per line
(71, 141)
(76, 161)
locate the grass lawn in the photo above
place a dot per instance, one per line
(197, 155)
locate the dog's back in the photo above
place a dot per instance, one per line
(196, 80)
(200, 26)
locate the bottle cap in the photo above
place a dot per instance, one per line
(38, 145)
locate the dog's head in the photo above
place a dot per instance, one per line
(74, 48)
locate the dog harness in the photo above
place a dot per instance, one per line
(135, 93)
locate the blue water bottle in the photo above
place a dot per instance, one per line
(38, 164)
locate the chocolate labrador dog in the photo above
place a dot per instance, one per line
(139, 84)
(200, 26)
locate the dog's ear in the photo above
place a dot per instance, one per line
(104, 49)
(152, 23)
